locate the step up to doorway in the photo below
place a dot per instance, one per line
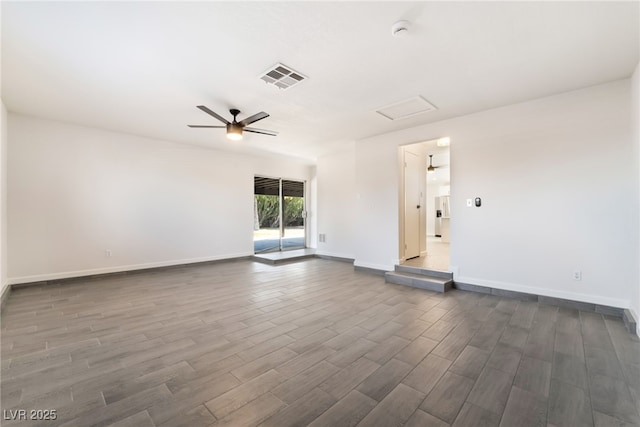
(424, 271)
(438, 281)
(275, 258)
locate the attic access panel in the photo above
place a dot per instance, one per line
(407, 108)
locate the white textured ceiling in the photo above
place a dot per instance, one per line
(142, 67)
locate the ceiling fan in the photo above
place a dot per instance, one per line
(431, 168)
(235, 128)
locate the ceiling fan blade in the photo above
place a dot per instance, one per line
(261, 131)
(261, 115)
(214, 114)
(206, 126)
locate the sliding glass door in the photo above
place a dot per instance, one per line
(279, 214)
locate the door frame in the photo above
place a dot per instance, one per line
(430, 146)
(281, 210)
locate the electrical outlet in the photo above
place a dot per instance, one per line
(469, 203)
(107, 253)
(577, 275)
(322, 238)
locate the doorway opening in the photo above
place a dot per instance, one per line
(278, 215)
(425, 205)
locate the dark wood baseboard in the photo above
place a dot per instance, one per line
(335, 258)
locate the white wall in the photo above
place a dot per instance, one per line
(635, 127)
(558, 184)
(75, 192)
(3, 199)
(377, 185)
(336, 203)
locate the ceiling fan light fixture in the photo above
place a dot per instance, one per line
(234, 132)
(236, 128)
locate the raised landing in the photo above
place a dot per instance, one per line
(416, 277)
(282, 257)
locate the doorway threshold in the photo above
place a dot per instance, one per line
(429, 262)
(436, 259)
(281, 257)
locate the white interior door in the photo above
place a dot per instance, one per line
(412, 204)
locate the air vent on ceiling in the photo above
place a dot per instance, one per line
(282, 76)
(407, 108)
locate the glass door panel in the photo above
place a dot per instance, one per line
(266, 215)
(293, 215)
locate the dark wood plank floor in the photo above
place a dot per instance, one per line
(311, 343)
